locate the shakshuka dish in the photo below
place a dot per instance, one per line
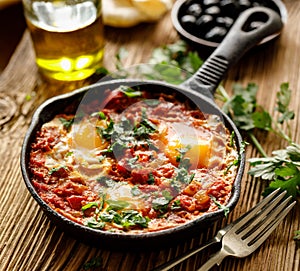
(137, 162)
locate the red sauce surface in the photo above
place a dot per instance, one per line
(136, 164)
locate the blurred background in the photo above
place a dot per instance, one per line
(12, 26)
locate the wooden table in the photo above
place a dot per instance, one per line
(30, 241)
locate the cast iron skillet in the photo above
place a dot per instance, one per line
(199, 88)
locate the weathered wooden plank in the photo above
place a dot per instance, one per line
(29, 241)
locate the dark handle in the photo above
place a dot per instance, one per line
(237, 42)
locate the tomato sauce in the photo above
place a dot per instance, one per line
(140, 163)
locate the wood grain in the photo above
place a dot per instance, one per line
(30, 241)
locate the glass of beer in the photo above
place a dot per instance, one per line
(67, 37)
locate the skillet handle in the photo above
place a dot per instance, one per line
(236, 43)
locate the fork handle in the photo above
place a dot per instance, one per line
(168, 265)
(217, 258)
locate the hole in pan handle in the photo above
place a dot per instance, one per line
(252, 26)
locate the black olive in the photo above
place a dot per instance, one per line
(244, 4)
(210, 2)
(188, 21)
(226, 3)
(225, 21)
(205, 21)
(256, 4)
(213, 10)
(216, 34)
(194, 9)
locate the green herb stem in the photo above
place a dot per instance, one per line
(279, 131)
(257, 144)
(224, 95)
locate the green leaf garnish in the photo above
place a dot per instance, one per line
(56, 169)
(67, 123)
(220, 206)
(130, 92)
(116, 204)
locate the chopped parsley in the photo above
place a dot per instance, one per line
(56, 169)
(135, 191)
(125, 135)
(151, 179)
(117, 213)
(220, 206)
(67, 123)
(176, 205)
(116, 205)
(96, 262)
(130, 92)
(161, 203)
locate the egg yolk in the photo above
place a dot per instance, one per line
(85, 135)
(185, 142)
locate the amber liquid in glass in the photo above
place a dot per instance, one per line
(68, 41)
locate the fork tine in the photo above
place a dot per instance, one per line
(252, 213)
(267, 226)
(260, 214)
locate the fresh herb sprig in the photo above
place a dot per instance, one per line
(249, 116)
(94, 264)
(172, 63)
(282, 169)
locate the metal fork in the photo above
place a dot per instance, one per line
(246, 234)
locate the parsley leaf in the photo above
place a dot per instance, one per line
(92, 264)
(57, 169)
(67, 123)
(117, 204)
(126, 218)
(262, 120)
(282, 169)
(130, 92)
(221, 206)
(297, 235)
(283, 101)
(160, 204)
(93, 223)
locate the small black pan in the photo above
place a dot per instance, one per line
(199, 89)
